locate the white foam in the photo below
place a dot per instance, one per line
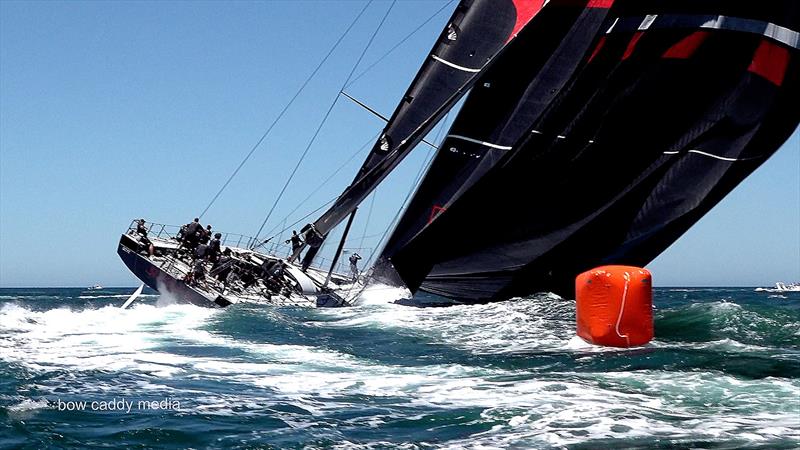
(106, 338)
(545, 323)
(529, 407)
(28, 405)
(381, 294)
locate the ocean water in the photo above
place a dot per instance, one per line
(78, 372)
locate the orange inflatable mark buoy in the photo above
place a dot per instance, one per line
(614, 306)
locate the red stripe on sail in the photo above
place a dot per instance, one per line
(770, 61)
(526, 9)
(632, 45)
(605, 4)
(687, 46)
(599, 47)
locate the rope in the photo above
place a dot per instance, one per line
(369, 214)
(402, 41)
(285, 108)
(325, 118)
(627, 277)
(292, 224)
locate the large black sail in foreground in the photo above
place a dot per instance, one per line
(673, 104)
(501, 107)
(476, 32)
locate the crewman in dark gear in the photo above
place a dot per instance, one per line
(297, 242)
(206, 235)
(141, 230)
(215, 248)
(354, 258)
(193, 233)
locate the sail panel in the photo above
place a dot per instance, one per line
(506, 100)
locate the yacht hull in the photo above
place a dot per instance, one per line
(156, 278)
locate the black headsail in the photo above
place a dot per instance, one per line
(500, 109)
(675, 103)
(475, 33)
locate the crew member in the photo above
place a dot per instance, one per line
(201, 252)
(141, 229)
(278, 269)
(266, 268)
(223, 266)
(354, 265)
(198, 271)
(274, 276)
(206, 235)
(215, 247)
(193, 233)
(297, 242)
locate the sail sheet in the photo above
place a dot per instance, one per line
(477, 30)
(673, 105)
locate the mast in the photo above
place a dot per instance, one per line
(340, 247)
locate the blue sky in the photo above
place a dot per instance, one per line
(116, 110)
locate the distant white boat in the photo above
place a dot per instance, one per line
(783, 287)
(780, 286)
(94, 288)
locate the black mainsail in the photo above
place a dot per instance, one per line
(476, 32)
(672, 105)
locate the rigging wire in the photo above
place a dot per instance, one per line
(420, 173)
(369, 215)
(325, 118)
(324, 182)
(414, 185)
(402, 41)
(292, 224)
(286, 108)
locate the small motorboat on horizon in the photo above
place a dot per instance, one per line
(780, 286)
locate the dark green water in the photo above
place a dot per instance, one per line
(723, 372)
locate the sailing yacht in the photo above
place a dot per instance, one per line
(592, 132)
